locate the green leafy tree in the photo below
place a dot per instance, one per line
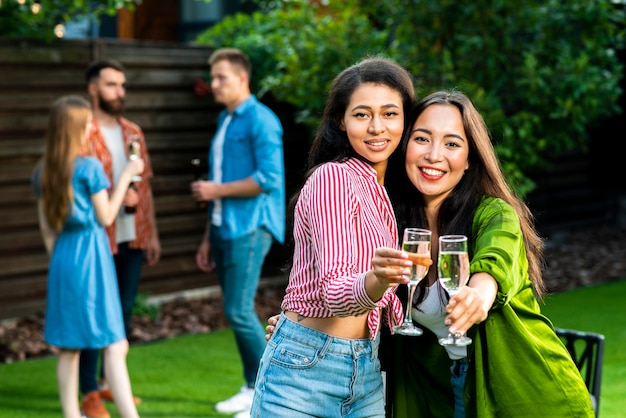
(38, 19)
(542, 73)
(296, 51)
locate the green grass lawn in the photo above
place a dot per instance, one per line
(179, 378)
(599, 309)
(184, 377)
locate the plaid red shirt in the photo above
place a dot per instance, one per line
(96, 146)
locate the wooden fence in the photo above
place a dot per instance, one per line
(568, 197)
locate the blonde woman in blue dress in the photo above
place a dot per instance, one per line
(83, 307)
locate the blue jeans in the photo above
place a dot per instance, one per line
(128, 264)
(458, 372)
(238, 264)
(306, 373)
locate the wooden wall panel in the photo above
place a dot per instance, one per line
(568, 197)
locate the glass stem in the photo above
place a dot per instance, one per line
(408, 316)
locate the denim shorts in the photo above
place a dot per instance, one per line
(307, 373)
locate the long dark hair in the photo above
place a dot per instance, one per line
(331, 143)
(483, 178)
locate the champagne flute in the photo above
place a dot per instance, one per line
(416, 243)
(453, 269)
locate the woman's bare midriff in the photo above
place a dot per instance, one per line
(350, 327)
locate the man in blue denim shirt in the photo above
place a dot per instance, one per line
(246, 211)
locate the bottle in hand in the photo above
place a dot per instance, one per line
(198, 175)
(133, 153)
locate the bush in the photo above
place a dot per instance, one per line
(296, 52)
(143, 307)
(38, 20)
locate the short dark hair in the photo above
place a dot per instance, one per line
(93, 70)
(234, 56)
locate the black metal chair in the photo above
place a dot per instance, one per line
(587, 351)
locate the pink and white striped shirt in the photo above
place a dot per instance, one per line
(341, 217)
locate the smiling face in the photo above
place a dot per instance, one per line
(437, 152)
(374, 121)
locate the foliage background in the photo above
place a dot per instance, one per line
(541, 73)
(22, 19)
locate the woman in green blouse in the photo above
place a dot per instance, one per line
(451, 183)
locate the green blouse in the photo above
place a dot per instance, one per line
(518, 367)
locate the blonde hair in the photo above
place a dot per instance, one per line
(67, 124)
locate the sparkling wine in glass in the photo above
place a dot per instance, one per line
(453, 270)
(416, 243)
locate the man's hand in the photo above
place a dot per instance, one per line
(131, 198)
(203, 190)
(204, 261)
(153, 251)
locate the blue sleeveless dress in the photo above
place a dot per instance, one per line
(83, 308)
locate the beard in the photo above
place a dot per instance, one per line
(112, 107)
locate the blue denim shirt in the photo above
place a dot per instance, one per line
(253, 147)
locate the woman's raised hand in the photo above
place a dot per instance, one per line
(472, 304)
(135, 167)
(391, 266)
